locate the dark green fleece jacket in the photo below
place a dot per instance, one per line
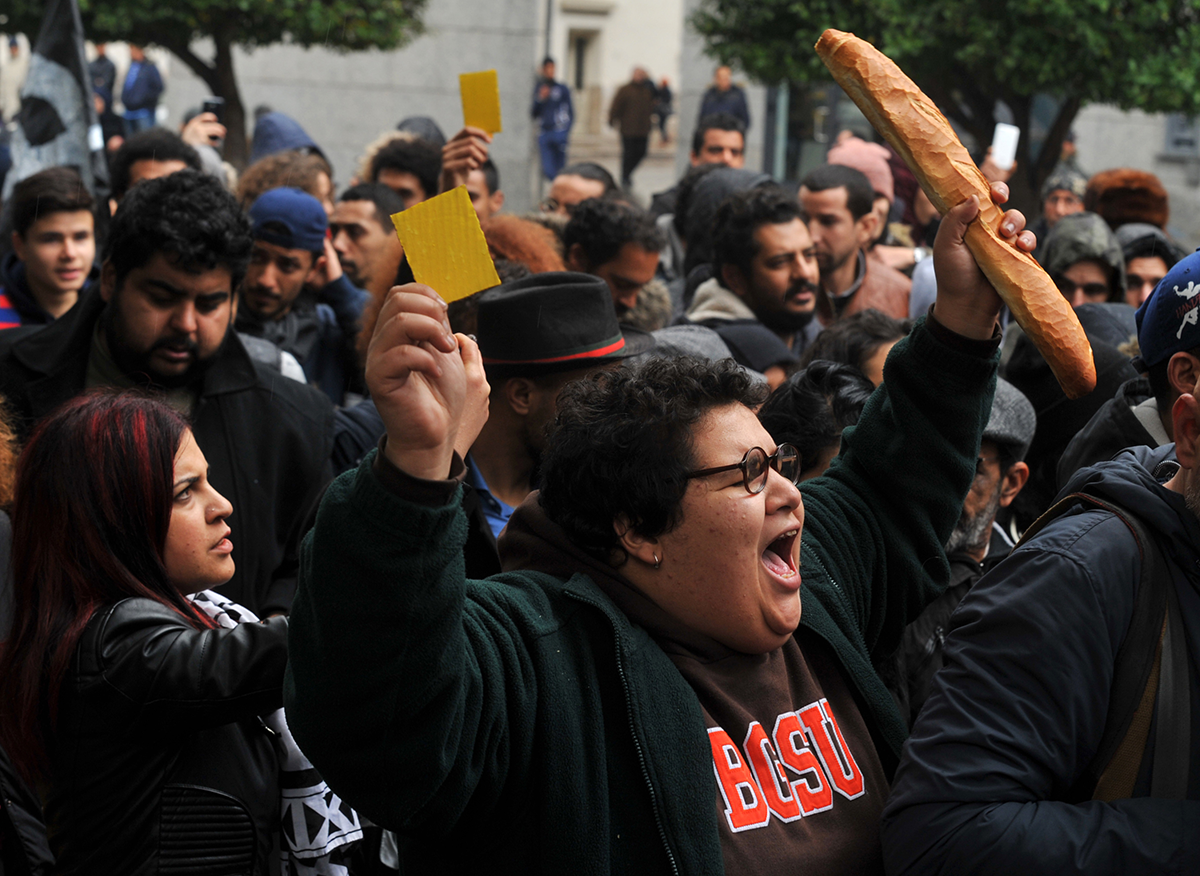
(523, 724)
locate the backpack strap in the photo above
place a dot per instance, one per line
(1120, 772)
(1172, 742)
(1154, 640)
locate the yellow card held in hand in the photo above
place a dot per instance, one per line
(445, 245)
(481, 100)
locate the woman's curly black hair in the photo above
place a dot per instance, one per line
(189, 217)
(621, 446)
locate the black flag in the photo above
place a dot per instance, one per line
(57, 124)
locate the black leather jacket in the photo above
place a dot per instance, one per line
(159, 762)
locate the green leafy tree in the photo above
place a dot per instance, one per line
(181, 25)
(965, 55)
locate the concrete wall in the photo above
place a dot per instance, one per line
(345, 101)
(627, 34)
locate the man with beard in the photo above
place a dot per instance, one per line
(617, 242)
(762, 297)
(291, 250)
(839, 202)
(536, 335)
(176, 251)
(364, 239)
(977, 545)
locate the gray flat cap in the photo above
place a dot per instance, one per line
(1012, 421)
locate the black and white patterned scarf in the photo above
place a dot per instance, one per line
(318, 829)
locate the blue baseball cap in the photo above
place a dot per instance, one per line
(1168, 322)
(299, 213)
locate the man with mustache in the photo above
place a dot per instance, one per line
(763, 294)
(176, 251)
(364, 239)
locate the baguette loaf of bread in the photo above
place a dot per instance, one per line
(920, 133)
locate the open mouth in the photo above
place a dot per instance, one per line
(778, 555)
(175, 353)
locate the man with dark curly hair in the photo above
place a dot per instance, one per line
(410, 167)
(762, 297)
(617, 242)
(176, 252)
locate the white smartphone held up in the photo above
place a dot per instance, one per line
(1004, 145)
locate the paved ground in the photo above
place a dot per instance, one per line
(655, 173)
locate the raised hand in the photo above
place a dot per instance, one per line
(202, 130)
(466, 151)
(966, 301)
(475, 411)
(327, 268)
(418, 380)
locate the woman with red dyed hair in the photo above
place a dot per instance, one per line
(135, 711)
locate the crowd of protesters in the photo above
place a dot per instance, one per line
(746, 533)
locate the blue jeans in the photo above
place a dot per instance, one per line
(139, 120)
(553, 147)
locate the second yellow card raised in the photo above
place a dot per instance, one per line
(481, 100)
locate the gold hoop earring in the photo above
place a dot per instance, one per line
(657, 561)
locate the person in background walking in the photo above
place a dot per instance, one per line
(631, 112)
(663, 107)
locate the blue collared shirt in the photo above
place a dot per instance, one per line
(496, 512)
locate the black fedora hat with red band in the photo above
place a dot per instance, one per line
(552, 322)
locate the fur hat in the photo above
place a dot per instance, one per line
(1126, 195)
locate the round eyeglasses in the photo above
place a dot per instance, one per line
(755, 466)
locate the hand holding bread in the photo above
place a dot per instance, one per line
(910, 121)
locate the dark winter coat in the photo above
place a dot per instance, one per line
(142, 88)
(159, 762)
(1110, 430)
(1018, 711)
(632, 109)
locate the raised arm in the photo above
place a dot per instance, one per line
(466, 151)
(429, 719)
(892, 496)
(173, 675)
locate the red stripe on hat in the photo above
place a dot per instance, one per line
(589, 354)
